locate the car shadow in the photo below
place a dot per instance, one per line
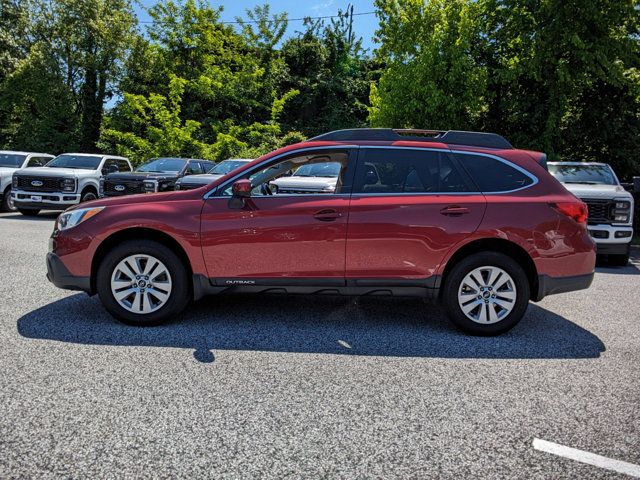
(326, 325)
(631, 268)
(42, 216)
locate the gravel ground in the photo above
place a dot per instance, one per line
(256, 386)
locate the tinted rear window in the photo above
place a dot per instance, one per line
(406, 171)
(492, 175)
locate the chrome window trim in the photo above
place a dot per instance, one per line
(209, 194)
(533, 178)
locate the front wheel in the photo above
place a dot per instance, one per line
(7, 202)
(88, 196)
(143, 283)
(486, 293)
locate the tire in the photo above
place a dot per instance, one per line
(128, 309)
(29, 212)
(619, 260)
(88, 196)
(497, 310)
(7, 203)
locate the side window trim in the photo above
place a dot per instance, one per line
(352, 151)
(457, 163)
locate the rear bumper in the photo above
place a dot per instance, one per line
(551, 285)
(60, 276)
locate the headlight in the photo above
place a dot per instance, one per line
(69, 185)
(621, 205)
(76, 217)
(621, 218)
(14, 182)
(101, 187)
(150, 186)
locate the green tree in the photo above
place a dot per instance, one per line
(432, 80)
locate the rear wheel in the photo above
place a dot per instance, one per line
(29, 212)
(486, 293)
(143, 283)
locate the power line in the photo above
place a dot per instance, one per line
(301, 19)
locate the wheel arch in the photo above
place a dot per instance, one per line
(499, 245)
(139, 233)
(89, 187)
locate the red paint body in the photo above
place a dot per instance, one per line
(400, 237)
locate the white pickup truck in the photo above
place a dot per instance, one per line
(610, 217)
(10, 161)
(67, 180)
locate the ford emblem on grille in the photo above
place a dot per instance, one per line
(36, 183)
(119, 188)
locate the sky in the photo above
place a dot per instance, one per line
(364, 25)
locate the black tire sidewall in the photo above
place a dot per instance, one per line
(6, 205)
(84, 197)
(461, 269)
(178, 299)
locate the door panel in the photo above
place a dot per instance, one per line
(276, 237)
(406, 236)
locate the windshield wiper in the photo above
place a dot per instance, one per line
(584, 183)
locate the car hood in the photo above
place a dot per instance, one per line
(140, 176)
(202, 179)
(55, 172)
(311, 183)
(597, 191)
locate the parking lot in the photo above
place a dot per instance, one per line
(256, 386)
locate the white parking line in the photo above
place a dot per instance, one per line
(587, 457)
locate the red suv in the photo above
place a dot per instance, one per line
(461, 217)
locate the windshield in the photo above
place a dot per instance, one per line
(163, 165)
(11, 160)
(226, 166)
(75, 161)
(584, 174)
(331, 169)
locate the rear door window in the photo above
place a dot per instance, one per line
(492, 175)
(389, 171)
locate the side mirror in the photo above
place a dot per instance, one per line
(242, 188)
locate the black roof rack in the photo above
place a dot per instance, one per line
(458, 137)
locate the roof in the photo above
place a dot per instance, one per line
(16, 152)
(95, 155)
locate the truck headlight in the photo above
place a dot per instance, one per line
(69, 185)
(76, 217)
(621, 205)
(14, 182)
(621, 217)
(150, 186)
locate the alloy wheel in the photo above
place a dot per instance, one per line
(141, 284)
(487, 295)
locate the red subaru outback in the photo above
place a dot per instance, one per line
(461, 217)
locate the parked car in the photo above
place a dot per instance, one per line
(11, 161)
(67, 180)
(310, 178)
(218, 171)
(156, 175)
(610, 206)
(460, 217)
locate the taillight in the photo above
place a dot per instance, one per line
(575, 210)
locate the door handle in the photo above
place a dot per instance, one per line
(454, 211)
(328, 215)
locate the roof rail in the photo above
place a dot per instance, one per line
(458, 137)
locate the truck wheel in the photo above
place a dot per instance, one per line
(143, 283)
(486, 293)
(88, 196)
(29, 212)
(7, 202)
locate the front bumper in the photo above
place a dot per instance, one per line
(552, 285)
(605, 234)
(45, 200)
(58, 274)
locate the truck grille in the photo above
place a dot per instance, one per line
(49, 184)
(600, 211)
(130, 187)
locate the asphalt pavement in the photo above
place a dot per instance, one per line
(307, 387)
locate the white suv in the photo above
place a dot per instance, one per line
(67, 180)
(11, 161)
(610, 218)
